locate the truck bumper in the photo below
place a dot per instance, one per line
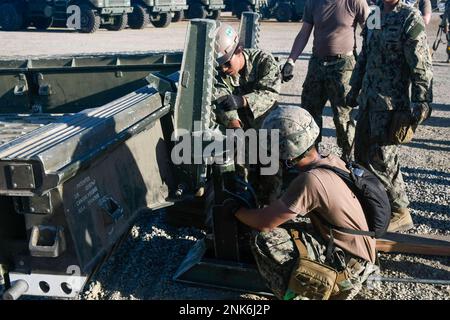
(216, 7)
(180, 8)
(116, 10)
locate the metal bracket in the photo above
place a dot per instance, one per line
(50, 285)
(33, 205)
(45, 89)
(21, 176)
(22, 85)
(47, 241)
(112, 212)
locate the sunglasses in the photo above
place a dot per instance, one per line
(227, 64)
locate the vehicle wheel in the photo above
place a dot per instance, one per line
(25, 24)
(283, 12)
(215, 15)
(11, 19)
(178, 16)
(90, 20)
(243, 7)
(296, 17)
(139, 18)
(197, 11)
(162, 20)
(120, 23)
(42, 23)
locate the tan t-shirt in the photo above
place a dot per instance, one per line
(334, 22)
(321, 191)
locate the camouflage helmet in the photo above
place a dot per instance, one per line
(298, 130)
(227, 40)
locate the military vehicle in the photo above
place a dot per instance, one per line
(42, 14)
(202, 9)
(85, 144)
(159, 12)
(239, 6)
(283, 10)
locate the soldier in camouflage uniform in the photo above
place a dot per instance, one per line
(248, 86)
(392, 59)
(272, 244)
(332, 62)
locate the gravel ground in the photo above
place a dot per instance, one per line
(144, 264)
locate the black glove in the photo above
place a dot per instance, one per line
(231, 102)
(245, 198)
(351, 99)
(287, 72)
(421, 111)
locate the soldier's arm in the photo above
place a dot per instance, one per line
(360, 68)
(426, 10)
(417, 55)
(223, 118)
(305, 32)
(265, 219)
(267, 87)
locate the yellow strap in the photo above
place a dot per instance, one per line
(300, 246)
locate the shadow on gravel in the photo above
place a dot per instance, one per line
(51, 30)
(289, 95)
(426, 171)
(430, 207)
(417, 270)
(437, 122)
(439, 181)
(144, 265)
(425, 146)
(440, 107)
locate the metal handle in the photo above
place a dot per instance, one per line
(17, 289)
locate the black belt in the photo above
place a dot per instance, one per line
(334, 58)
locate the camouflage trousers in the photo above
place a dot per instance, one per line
(276, 255)
(330, 81)
(382, 160)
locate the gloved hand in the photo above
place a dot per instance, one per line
(351, 99)
(421, 111)
(287, 72)
(245, 197)
(231, 102)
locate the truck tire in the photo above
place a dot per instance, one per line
(296, 17)
(178, 16)
(120, 23)
(139, 18)
(284, 12)
(25, 24)
(90, 20)
(197, 11)
(42, 23)
(11, 19)
(162, 20)
(214, 15)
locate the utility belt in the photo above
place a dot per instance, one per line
(327, 60)
(316, 280)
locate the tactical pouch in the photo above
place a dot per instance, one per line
(309, 278)
(401, 129)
